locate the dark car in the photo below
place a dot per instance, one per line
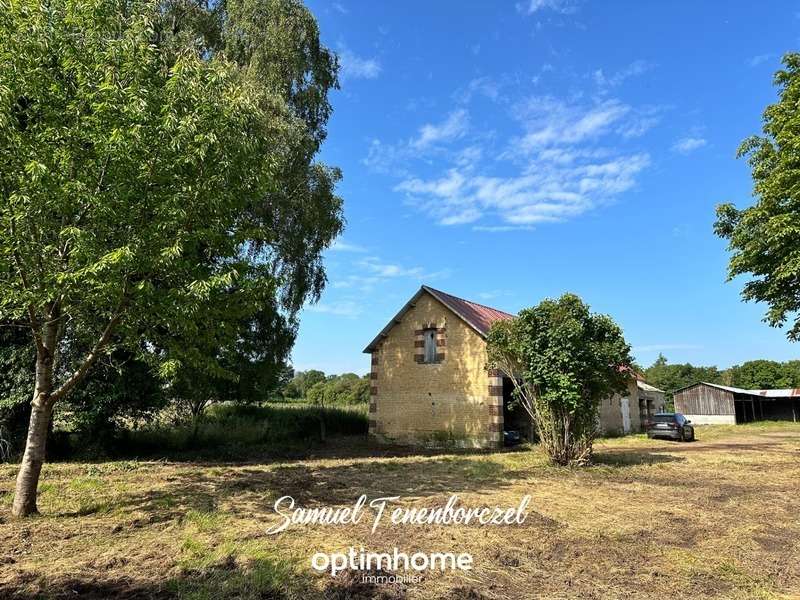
(512, 438)
(670, 425)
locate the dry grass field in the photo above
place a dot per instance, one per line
(717, 518)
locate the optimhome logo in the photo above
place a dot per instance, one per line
(359, 560)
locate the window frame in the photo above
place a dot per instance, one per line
(429, 337)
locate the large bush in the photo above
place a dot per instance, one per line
(564, 360)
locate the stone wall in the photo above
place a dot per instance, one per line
(448, 402)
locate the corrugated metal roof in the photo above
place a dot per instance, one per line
(477, 316)
(783, 393)
(480, 317)
(727, 388)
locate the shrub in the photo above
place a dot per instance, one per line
(563, 361)
(231, 431)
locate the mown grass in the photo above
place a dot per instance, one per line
(650, 519)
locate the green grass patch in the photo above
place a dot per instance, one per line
(230, 432)
(203, 521)
(252, 580)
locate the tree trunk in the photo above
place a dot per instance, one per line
(44, 396)
(31, 465)
(198, 409)
(39, 424)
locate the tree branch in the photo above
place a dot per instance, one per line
(91, 358)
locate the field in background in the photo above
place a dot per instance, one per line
(651, 519)
(226, 432)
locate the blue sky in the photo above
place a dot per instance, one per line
(507, 152)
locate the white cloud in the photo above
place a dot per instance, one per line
(483, 86)
(688, 144)
(636, 68)
(469, 156)
(372, 271)
(431, 138)
(493, 294)
(354, 281)
(544, 192)
(338, 7)
(378, 268)
(550, 121)
(357, 67)
(341, 246)
(386, 158)
(758, 59)
(533, 6)
(447, 186)
(641, 121)
(561, 158)
(344, 308)
(467, 215)
(502, 228)
(453, 127)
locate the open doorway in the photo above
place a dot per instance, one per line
(745, 411)
(515, 417)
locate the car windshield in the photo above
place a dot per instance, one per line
(664, 418)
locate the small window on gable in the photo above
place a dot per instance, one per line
(429, 335)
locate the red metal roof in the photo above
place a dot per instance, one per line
(479, 316)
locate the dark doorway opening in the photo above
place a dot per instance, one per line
(515, 417)
(745, 411)
(753, 408)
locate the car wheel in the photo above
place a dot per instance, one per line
(691, 436)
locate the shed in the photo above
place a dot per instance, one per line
(651, 399)
(712, 403)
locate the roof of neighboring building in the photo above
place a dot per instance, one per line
(784, 393)
(647, 387)
(727, 388)
(477, 316)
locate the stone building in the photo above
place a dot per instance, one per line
(431, 386)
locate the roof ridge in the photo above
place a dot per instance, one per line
(477, 316)
(470, 301)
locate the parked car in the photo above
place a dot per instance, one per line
(670, 425)
(512, 438)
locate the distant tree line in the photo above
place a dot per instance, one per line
(125, 393)
(753, 374)
(315, 387)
